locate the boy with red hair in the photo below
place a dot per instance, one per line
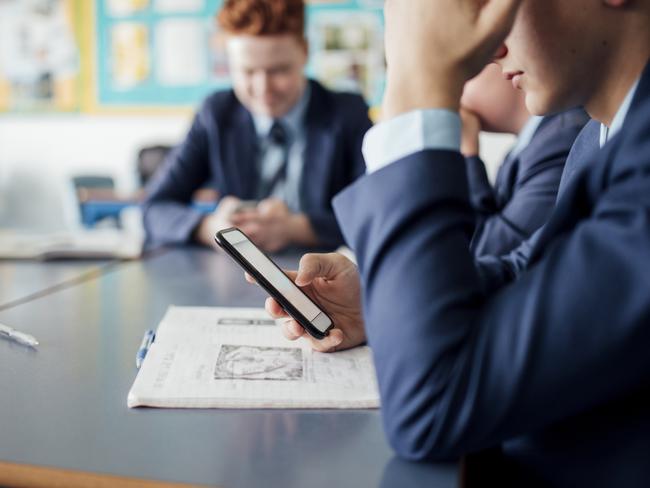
(276, 138)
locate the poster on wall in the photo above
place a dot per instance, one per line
(130, 60)
(39, 56)
(177, 6)
(162, 53)
(347, 51)
(180, 53)
(119, 8)
(153, 53)
(171, 52)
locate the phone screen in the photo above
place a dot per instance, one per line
(281, 282)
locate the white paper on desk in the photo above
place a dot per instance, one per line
(198, 361)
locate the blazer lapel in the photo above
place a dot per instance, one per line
(585, 153)
(587, 144)
(584, 149)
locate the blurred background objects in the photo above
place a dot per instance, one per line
(95, 93)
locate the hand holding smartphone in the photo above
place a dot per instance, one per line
(245, 205)
(276, 283)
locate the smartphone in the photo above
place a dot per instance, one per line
(276, 283)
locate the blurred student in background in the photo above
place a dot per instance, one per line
(526, 185)
(276, 148)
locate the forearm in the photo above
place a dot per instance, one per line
(204, 232)
(168, 214)
(529, 208)
(459, 370)
(170, 222)
(482, 194)
(404, 94)
(301, 231)
(402, 245)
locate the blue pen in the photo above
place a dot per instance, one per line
(147, 340)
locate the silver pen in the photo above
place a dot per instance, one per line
(17, 336)
(147, 340)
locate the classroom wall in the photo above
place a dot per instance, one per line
(40, 153)
(69, 144)
(62, 145)
(89, 122)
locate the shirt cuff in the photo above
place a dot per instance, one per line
(409, 133)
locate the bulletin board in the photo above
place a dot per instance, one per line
(165, 54)
(155, 52)
(40, 62)
(169, 52)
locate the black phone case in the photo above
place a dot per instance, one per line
(268, 287)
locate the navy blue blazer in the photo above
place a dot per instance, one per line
(552, 370)
(220, 151)
(525, 189)
(497, 270)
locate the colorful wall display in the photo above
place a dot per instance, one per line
(139, 54)
(39, 55)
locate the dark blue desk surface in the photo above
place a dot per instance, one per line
(22, 280)
(64, 405)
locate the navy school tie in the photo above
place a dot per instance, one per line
(278, 138)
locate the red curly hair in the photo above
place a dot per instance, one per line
(263, 17)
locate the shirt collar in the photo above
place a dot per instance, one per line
(292, 120)
(606, 133)
(526, 135)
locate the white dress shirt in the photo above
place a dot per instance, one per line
(606, 133)
(421, 130)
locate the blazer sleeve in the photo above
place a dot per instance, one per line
(481, 192)
(355, 124)
(460, 370)
(168, 215)
(533, 196)
(496, 271)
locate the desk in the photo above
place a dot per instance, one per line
(21, 281)
(63, 407)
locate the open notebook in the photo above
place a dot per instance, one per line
(237, 358)
(82, 244)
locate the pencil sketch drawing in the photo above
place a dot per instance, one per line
(239, 362)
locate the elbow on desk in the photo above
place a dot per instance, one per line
(428, 416)
(169, 223)
(421, 442)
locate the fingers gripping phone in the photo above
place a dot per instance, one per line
(245, 205)
(277, 284)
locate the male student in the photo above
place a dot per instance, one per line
(278, 140)
(526, 185)
(551, 371)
